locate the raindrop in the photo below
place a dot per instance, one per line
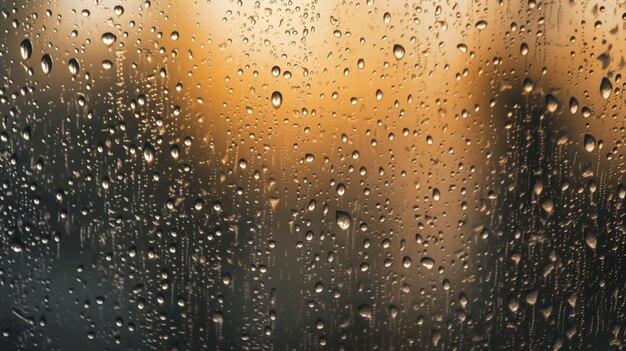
(109, 38)
(528, 85)
(513, 304)
(343, 219)
(482, 24)
(175, 152)
(552, 104)
(573, 105)
(387, 17)
(548, 206)
(26, 49)
(398, 51)
(606, 88)
(276, 71)
(531, 297)
(73, 66)
(148, 153)
(590, 142)
(427, 262)
(365, 311)
(107, 64)
(591, 239)
(379, 94)
(621, 191)
(277, 99)
(46, 64)
(523, 49)
(393, 311)
(436, 194)
(341, 189)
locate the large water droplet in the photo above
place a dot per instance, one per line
(387, 17)
(118, 10)
(523, 49)
(26, 49)
(590, 142)
(365, 311)
(591, 239)
(552, 104)
(606, 88)
(436, 194)
(277, 99)
(46, 64)
(573, 105)
(73, 66)
(343, 219)
(427, 262)
(148, 153)
(275, 71)
(531, 297)
(528, 85)
(109, 38)
(107, 64)
(398, 51)
(175, 152)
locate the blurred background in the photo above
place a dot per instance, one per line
(312, 175)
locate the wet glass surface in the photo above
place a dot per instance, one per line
(312, 175)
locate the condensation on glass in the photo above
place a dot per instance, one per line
(312, 175)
